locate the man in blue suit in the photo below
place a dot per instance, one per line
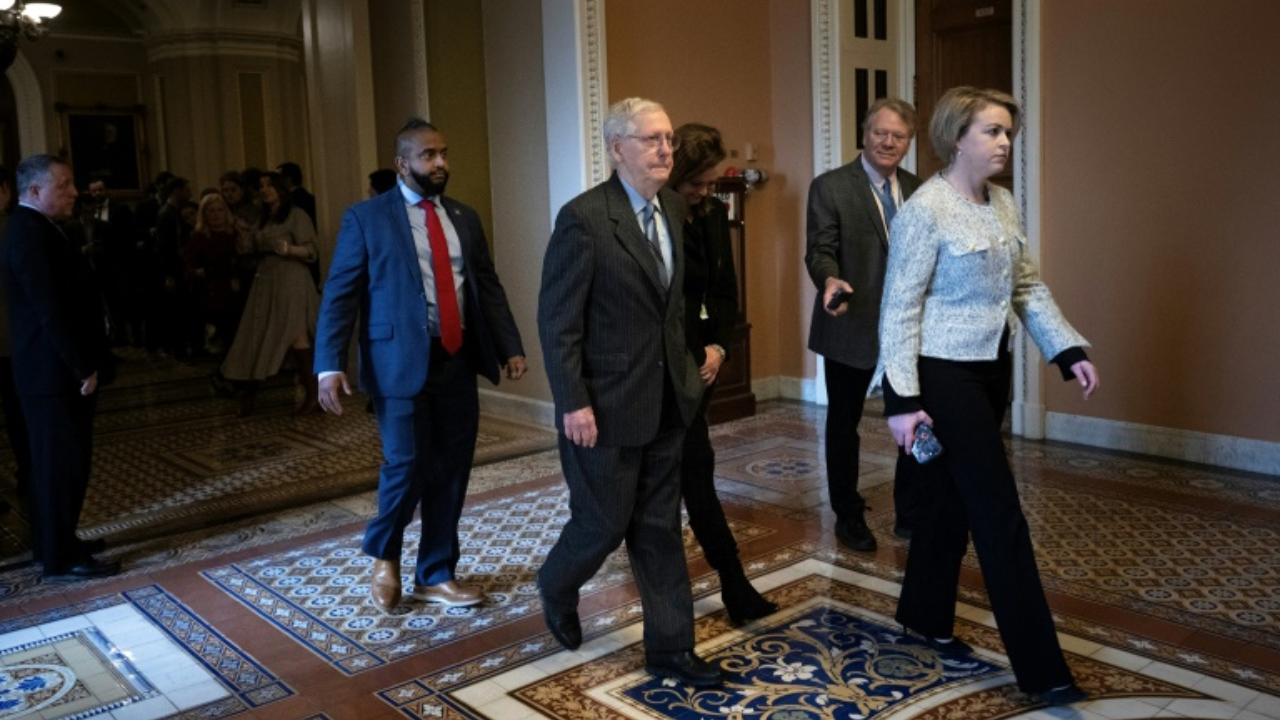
(415, 267)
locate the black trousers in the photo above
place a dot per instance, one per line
(846, 397)
(972, 491)
(16, 426)
(698, 488)
(632, 494)
(61, 433)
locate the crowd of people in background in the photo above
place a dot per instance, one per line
(177, 271)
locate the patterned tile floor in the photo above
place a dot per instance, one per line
(1164, 579)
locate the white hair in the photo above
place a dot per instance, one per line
(620, 120)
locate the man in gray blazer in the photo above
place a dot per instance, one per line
(850, 209)
(610, 317)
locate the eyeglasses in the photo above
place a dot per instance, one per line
(652, 141)
(882, 135)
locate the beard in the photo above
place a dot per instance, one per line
(429, 186)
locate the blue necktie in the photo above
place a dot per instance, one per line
(651, 232)
(886, 200)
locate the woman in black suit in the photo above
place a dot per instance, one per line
(711, 309)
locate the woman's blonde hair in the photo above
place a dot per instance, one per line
(954, 113)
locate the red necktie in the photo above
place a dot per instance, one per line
(442, 266)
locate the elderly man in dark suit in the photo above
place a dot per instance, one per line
(59, 329)
(415, 267)
(850, 209)
(611, 321)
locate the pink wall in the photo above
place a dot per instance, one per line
(1161, 232)
(742, 66)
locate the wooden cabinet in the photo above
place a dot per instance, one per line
(733, 397)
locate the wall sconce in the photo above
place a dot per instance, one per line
(754, 177)
(22, 19)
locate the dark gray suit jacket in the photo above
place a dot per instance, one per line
(611, 334)
(847, 239)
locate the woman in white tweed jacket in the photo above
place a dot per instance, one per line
(958, 267)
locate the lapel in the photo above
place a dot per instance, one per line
(455, 217)
(674, 210)
(626, 230)
(909, 184)
(393, 210)
(866, 197)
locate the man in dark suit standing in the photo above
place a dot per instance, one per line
(850, 209)
(611, 321)
(291, 173)
(115, 258)
(59, 330)
(414, 266)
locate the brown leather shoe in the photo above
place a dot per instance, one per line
(385, 586)
(449, 593)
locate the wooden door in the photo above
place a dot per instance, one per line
(960, 42)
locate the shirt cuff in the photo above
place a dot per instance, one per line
(327, 373)
(895, 404)
(1066, 359)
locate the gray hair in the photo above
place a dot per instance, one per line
(35, 170)
(619, 122)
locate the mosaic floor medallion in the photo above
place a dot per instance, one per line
(77, 674)
(833, 653)
(821, 657)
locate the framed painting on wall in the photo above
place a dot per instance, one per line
(105, 143)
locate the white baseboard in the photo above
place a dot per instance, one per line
(1028, 420)
(1221, 450)
(520, 409)
(781, 387)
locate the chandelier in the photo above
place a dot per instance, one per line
(22, 19)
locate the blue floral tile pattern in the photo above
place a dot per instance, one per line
(319, 594)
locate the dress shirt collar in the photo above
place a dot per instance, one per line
(637, 200)
(412, 197)
(876, 178)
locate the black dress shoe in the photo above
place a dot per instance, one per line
(87, 569)
(855, 535)
(683, 667)
(92, 547)
(1063, 695)
(564, 625)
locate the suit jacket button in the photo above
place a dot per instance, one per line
(661, 364)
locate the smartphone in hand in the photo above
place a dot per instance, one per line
(838, 298)
(926, 446)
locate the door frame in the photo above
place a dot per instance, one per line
(1028, 395)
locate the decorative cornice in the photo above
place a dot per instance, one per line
(204, 43)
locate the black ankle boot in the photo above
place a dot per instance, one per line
(741, 600)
